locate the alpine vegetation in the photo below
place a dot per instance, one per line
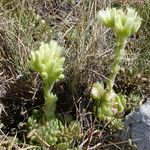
(108, 104)
(48, 62)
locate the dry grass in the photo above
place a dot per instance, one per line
(88, 48)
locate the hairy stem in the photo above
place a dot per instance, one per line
(50, 104)
(119, 52)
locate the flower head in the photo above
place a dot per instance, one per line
(123, 23)
(47, 61)
(127, 23)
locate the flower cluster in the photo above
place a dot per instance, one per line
(47, 61)
(123, 23)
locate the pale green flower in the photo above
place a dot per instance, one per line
(123, 23)
(107, 16)
(131, 12)
(47, 61)
(127, 23)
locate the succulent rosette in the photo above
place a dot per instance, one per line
(106, 108)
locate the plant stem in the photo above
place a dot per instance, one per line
(119, 52)
(50, 104)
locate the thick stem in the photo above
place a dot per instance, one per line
(50, 104)
(119, 52)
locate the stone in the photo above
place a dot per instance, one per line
(137, 126)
